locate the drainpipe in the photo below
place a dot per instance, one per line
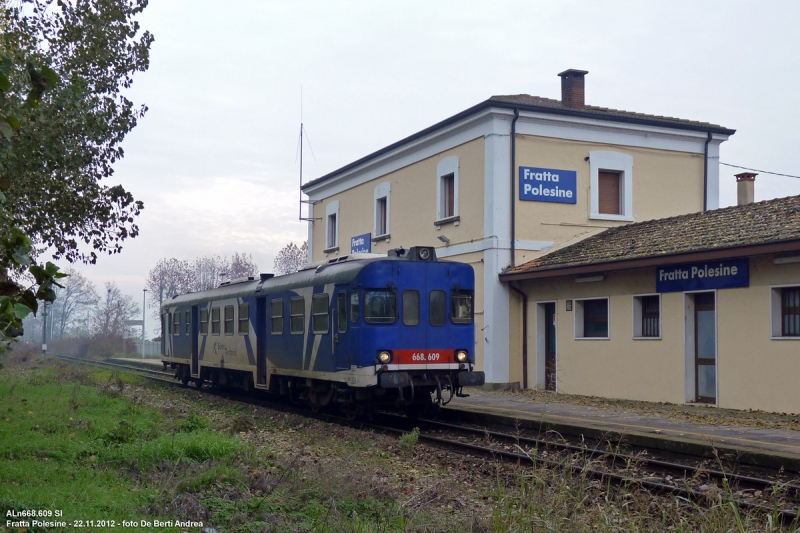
(524, 334)
(705, 174)
(513, 184)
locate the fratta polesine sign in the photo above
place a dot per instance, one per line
(548, 185)
(727, 274)
(361, 244)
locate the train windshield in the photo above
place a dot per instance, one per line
(461, 307)
(380, 307)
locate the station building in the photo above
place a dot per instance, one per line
(703, 307)
(507, 181)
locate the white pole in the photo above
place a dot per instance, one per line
(144, 301)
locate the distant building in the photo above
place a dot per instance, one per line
(508, 180)
(703, 307)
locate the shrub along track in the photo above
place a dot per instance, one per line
(691, 482)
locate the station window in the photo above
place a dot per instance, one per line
(342, 311)
(355, 307)
(647, 317)
(438, 308)
(244, 319)
(204, 322)
(410, 308)
(188, 320)
(297, 315)
(786, 312)
(461, 309)
(382, 193)
(610, 186)
(332, 226)
(591, 318)
(447, 188)
(215, 320)
(176, 323)
(228, 320)
(380, 307)
(276, 317)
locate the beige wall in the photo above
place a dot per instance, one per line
(754, 371)
(665, 184)
(412, 205)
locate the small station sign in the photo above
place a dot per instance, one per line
(725, 274)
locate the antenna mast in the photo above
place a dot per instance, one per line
(310, 202)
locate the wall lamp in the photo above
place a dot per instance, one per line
(444, 239)
(786, 260)
(590, 279)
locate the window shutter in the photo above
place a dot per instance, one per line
(608, 193)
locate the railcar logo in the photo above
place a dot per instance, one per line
(548, 185)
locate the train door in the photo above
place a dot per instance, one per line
(342, 324)
(261, 341)
(195, 332)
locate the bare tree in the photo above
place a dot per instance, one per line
(242, 266)
(209, 271)
(73, 302)
(291, 258)
(168, 278)
(111, 312)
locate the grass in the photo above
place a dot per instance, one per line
(100, 445)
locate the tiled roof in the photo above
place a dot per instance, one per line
(602, 112)
(765, 222)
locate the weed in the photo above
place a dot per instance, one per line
(242, 423)
(194, 422)
(408, 441)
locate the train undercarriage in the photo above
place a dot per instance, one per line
(414, 393)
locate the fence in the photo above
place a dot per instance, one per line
(151, 348)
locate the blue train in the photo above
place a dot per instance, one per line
(356, 332)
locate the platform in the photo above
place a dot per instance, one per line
(770, 447)
(141, 361)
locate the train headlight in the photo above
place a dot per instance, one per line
(461, 356)
(384, 357)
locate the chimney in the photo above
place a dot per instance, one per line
(745, 183)
(572, 88)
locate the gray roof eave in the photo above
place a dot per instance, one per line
(492, 103)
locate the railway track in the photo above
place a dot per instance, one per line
(699, 484)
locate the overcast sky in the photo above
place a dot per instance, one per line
(214, 159)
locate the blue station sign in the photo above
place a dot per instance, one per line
(726, 274)
(548, 185)
(361, 244)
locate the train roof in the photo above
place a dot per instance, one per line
(337, 270)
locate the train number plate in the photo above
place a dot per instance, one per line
(406, 357)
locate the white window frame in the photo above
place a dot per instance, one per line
(577, 306)
(445, 167)
(384, 190)
(637, 317)
(775, 312)
(613, 162)
(332, 210)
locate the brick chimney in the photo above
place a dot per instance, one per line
(572, 88)
(745, 183)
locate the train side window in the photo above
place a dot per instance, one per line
(228, 320)
(380, 307)
(215, 320)
(204, 322)
(320, 320)
(297, 315)
(461, 309)
(188, 317)
(342, 319)
(244, 319)
(355, 307)
(411, 308)
(438, 308)
(276, 317)
(176, 323)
